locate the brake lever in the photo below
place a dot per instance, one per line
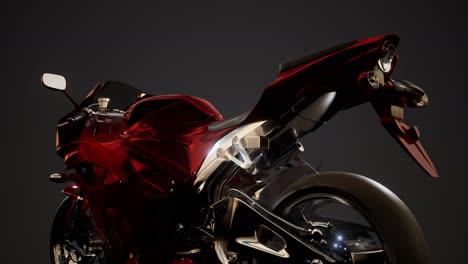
(85, 112)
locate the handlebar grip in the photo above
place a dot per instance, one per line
(78, 117)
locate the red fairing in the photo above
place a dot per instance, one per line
(173, 136)
(330, 70)
(157, 147)
(167, 133)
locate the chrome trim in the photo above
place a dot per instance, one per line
(257, 142)
(363, 255)
(385, 63)
(238, 148)
(188, 252)
(212, 161)
(219, 249)
(270, 217)
(376, 78)
(424, 101)
(252, 242)
(256, 195)
(103, 103)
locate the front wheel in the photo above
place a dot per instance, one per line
(353, 220)
(75, 238)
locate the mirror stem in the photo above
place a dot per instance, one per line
(69, 98)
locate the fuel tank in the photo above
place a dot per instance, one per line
(169, 134)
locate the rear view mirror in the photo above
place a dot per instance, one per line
(54, 81)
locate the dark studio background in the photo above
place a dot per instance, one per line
(226, 52)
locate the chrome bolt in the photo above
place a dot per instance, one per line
(179, 227)
(232, 258)
(317, 235)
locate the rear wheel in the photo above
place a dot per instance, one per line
(353, 220)
(337, 227)
(76, 240)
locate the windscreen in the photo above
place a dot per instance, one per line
(121, 96)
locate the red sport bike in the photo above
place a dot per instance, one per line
(164, 179)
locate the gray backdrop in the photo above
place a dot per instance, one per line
(226, 52)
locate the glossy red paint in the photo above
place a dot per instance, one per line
(174, 137)
(335, 71)
(155, 155)
(158, 146)
(408, 138)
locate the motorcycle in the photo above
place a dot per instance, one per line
(164, 179)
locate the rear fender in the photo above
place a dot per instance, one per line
(391, 117)
(271, 194)
(389, 214)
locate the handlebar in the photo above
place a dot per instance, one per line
(77, 117)
(87, 112)
(80, 116)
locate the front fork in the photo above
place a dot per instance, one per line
(77, 213)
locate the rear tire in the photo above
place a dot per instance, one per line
(399, 233)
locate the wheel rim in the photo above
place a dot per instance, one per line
(87, 245)
(338, 227)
